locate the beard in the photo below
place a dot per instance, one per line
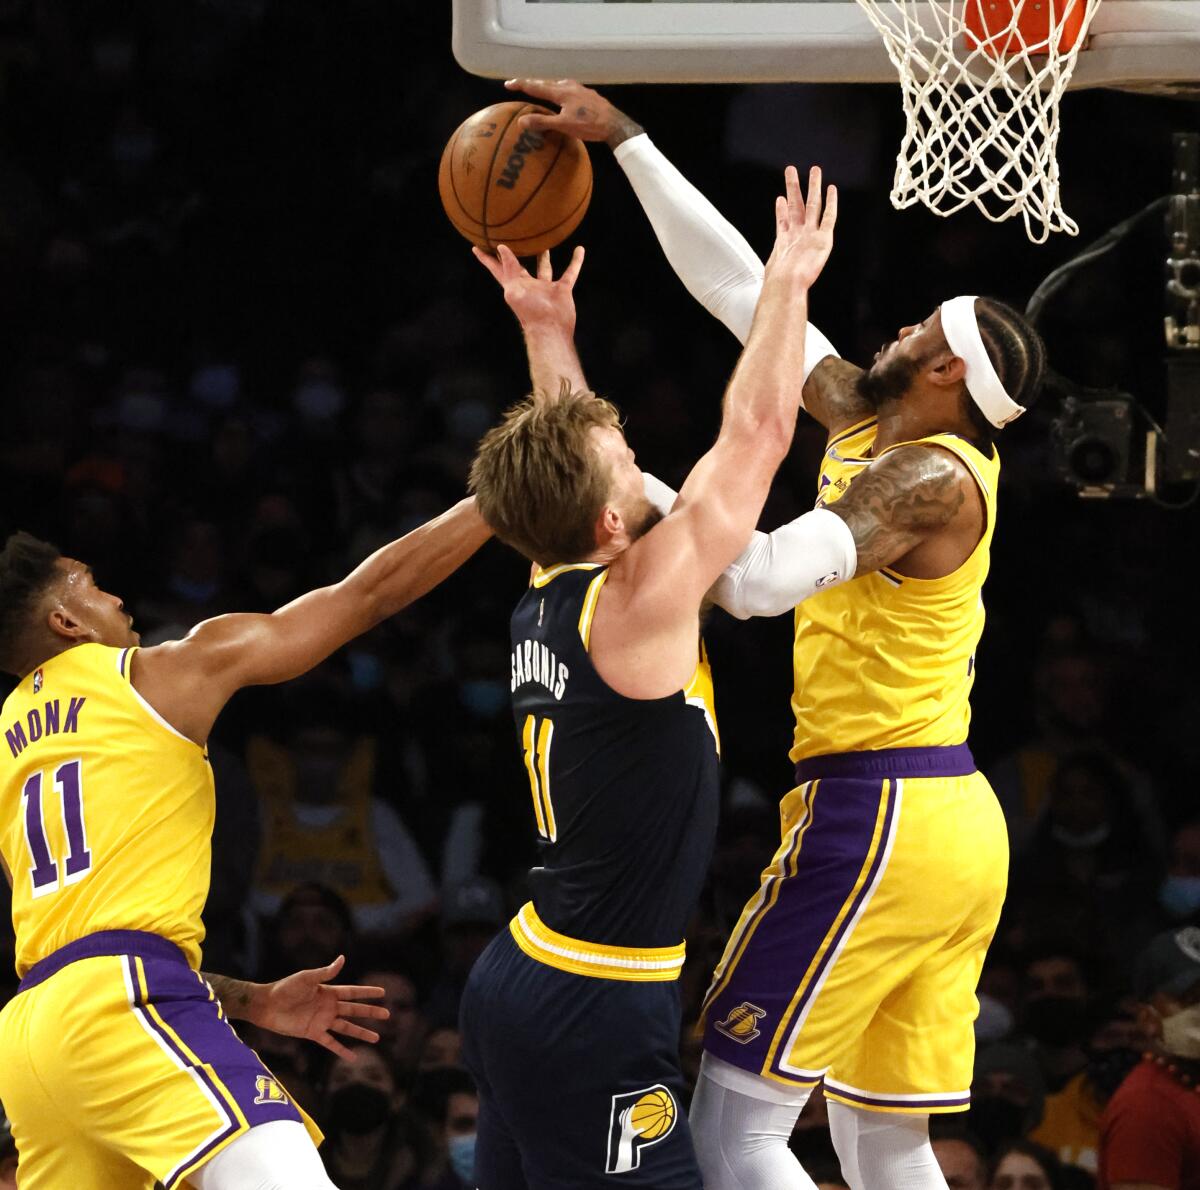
(884, 383)
(643, 521)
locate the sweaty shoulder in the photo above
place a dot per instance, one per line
(831, 395)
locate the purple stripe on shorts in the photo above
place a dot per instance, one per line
(864, 891)
(232, 1126)
(105, 942)
(788, 935)
(901, 1104)
(954, 761)
(181, 1000)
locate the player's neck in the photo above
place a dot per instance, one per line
(48, 650)
(905, 422)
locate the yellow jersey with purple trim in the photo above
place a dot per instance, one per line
(106, 811)
(888, 661)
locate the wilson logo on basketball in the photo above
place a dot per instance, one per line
(528, 142)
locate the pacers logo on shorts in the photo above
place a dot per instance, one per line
(741, 1024)
(269, 1091)
(639, 1119)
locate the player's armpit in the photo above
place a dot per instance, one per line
(831, 395)
(902, 500)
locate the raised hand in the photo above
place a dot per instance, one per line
(584, 113)
(803, 228)
(537, 301)
(307, 1005)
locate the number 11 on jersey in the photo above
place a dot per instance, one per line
(535, 738)
(68, 782)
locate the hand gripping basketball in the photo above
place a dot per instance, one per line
(803, 230)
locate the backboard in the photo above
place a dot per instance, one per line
(1148, 45)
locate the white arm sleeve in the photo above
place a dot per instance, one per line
(710, 256)
(778, 570)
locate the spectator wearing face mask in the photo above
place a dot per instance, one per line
(1179, 892)
(368, 1143)
(446, 1101)
(1070, 1126)
(1150, 1131)
(1053, 1013)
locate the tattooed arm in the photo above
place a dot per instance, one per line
(919, 504)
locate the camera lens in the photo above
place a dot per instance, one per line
(1093, 460)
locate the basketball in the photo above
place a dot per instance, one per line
(501, 184)
(653, 1115)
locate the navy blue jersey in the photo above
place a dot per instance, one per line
(625, 791)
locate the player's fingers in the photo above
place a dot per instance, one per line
(572, 270)
(812, 203)
(325, 974)
(489, 262)
(829, 218)
(510, 266)
(539, 121)
(373, 1012)
(538, 88)
(795, 197)
(349, 1029)
(781, 215)
(334, 1046)
(354, 991)
(544, 271)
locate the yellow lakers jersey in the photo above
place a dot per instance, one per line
(342, 854)
(106, 811)
(888, 661)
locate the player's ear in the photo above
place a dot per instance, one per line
(608, 525)
(63, 624)
(946, 369)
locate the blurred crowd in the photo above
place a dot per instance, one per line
(241, 347)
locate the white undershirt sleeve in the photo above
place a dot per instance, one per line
(778, 570)
(710, 256)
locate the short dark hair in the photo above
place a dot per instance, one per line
(28, 567)
(1017, 353)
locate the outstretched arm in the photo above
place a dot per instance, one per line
(907, 497)
(305, 1004)
(545, 308)
(188, 681)
(723, 496)
(709, 255)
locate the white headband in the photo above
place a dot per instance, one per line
(961, 329)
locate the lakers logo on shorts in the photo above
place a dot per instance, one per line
(269, 1091)
(741, 1024)
(639, 1119)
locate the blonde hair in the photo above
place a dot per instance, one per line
(538, 481)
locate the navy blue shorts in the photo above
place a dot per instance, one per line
(579, 1077)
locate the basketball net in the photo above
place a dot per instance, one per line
(981, 82)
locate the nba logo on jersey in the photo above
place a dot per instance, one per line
(269, 1091)
(37, 682)
(639, 1119)
(741, 1025)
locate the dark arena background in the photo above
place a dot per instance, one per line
(241, 346)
